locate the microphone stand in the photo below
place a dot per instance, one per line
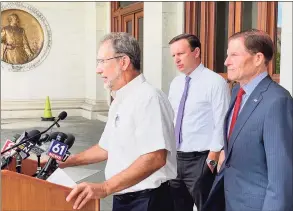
(18, 161)
(26, 140)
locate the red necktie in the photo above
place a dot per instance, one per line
(236, 110)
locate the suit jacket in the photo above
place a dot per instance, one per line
(257, 172)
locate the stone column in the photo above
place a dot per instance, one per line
(159, 68)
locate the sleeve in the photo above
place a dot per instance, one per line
(277, 138)
(154, 125)
(220, 100)
(104, 140)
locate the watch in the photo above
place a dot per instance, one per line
(212, 162)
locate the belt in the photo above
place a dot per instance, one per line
(138, 194)
(191, 154)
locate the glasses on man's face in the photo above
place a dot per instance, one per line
(102, 61)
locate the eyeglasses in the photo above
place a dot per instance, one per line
(102, 61)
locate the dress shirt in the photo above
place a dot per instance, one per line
(140, 121)
(205, 109)
(248, 88)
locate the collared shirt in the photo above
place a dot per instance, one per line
(248, 88)
(140, 121)
(205, 109)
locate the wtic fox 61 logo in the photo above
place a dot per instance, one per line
(57, 150)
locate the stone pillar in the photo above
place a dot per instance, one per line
(97, 24)
(159, 68)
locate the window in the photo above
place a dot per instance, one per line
(122, 4)
(128, 17)
(221, 36)
(214, 22)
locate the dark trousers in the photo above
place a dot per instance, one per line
(158, 199)
(194, 181)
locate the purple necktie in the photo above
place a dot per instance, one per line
(180, 113)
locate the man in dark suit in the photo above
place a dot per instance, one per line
(256, 173)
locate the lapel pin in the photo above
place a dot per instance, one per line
(255, 100)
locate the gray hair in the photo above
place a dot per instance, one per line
(124, 43)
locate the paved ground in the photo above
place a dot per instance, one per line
(86, 132)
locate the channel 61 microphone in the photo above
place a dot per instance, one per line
(69, 141)
(57, 150)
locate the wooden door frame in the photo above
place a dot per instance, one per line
(267, 21)
(117, 14)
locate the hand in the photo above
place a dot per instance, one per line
(221, 160)
(213, 156)
(85, 192)
(212, 168)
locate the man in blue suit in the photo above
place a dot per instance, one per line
(256, 173)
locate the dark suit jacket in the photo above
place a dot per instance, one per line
(257, 172)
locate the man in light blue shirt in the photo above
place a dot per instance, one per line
(200, 99)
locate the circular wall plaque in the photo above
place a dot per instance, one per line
(26, 37)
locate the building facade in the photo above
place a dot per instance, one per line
(68, 73)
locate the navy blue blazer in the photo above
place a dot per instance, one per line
(257, 172)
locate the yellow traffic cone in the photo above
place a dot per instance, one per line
(47, 112)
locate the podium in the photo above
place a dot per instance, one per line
(22, 192)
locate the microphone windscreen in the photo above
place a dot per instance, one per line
(70, 140)
(61, 137)
(62, 115)
(44, 138)
(53, 135)
(34, 133)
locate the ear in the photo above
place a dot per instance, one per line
(197, 52)
(259, 59)
(125, 62)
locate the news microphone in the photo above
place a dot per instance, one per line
(25, 149)
(61, 116)
(22, 143)
(6, 158)
(56, 151)
(20, 155)
(69, 141)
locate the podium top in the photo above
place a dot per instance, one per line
(22, 192)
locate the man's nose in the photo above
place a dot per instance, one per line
(99, 70)
(227, 61)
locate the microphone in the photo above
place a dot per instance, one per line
(6, 158)
(61, 116)
(56, 150)
(39, 148)
(69, 141)
(25, 147)
(21, 152)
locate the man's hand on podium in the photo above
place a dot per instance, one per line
(85, 192)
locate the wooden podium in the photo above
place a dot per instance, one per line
(22, 192)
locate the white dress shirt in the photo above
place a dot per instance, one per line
(205, 109)
(140, 121)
